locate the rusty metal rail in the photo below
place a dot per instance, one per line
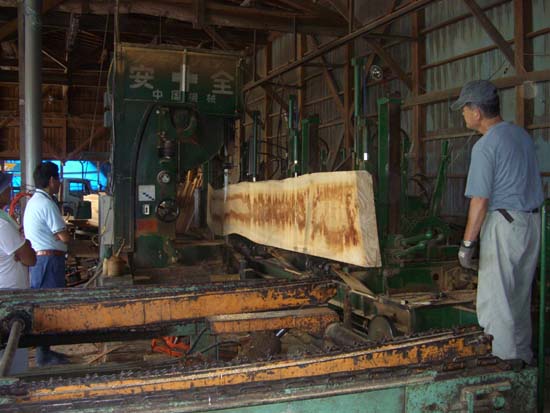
(427, 350)
(71, 311)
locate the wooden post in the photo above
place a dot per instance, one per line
(523, 22)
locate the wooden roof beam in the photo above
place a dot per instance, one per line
(331, 82)
(198, 11)
(377, 47)
(219, 40)
(11, 26)
(338, 42)
(494, 34)
(216, 14)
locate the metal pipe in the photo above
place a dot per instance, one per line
(21, 62)
(13, 342)
(542, 308)
(357, 109)
(33, 90)
(254, 148)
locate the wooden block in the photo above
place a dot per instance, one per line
(328, 215)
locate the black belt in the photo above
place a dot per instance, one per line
(509, 217)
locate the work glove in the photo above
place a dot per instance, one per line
(466, 253)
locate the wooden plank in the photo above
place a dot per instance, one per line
(328, 215)
(502, 83)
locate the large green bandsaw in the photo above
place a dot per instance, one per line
(172, 108)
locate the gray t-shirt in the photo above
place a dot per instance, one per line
(504, 169)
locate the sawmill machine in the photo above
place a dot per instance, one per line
(173, 110)
(420, 285)
(331, 366)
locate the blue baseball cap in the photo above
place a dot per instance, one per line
(476, 92)
(5, 181)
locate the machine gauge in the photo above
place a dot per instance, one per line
(164, 177)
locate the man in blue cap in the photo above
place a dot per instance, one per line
(505, 191)
(16, 255)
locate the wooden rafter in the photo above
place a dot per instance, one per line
(198, 11)
(331, 82)
(377, 46)
(216, 38)
(11, 26)
(502, 83)
(388, 59)
(494, 34)
(340, 41)
(216, 14)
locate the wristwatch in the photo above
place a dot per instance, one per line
(467, 243)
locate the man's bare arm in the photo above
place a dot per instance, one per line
(25, 254)
(64, 236)
(476, 216)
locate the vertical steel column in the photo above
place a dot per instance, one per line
(254, 146)
(389, 166)
(33, 89)
(545, 228)
(382, 190)
(357, 107)
(21, 66)
(394, 163)
(293, 136)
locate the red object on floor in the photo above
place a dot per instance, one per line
(171, 345)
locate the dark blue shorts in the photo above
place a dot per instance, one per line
(49, 272)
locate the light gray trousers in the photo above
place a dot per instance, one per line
(509, 254)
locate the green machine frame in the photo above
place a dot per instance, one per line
(173, 109)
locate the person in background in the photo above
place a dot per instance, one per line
(46, 229)
(16, 255)
(505, 191)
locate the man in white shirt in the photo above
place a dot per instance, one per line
(16, 255)
(45, 228)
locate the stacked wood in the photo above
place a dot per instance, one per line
(185, 199)
(328, 215)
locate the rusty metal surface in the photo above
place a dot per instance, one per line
(435, 349)
(311, 320)
(80, 311)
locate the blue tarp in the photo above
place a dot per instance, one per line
(71, 169)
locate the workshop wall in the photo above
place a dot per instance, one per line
(66, 132)
(455, 49)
